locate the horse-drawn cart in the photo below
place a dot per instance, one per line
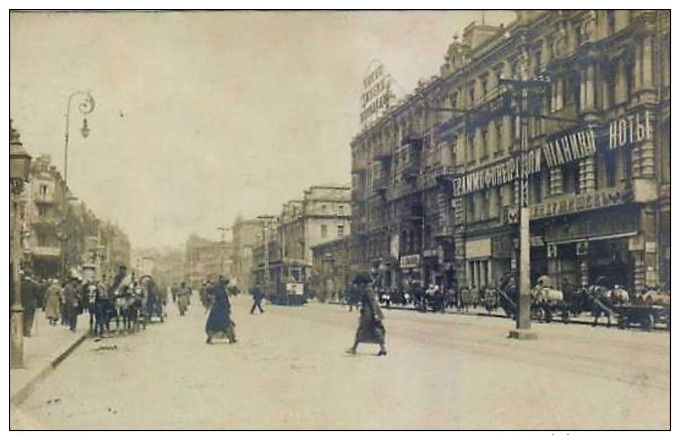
(645, 315)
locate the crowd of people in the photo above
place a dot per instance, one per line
(125, 300)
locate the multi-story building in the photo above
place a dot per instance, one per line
(60, 235)
(331, 266)
(436, 179)
(323, 214)
(246, 235)
(44, 213)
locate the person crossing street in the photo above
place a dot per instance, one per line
(257, 299)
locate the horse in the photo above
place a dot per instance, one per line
(655, 297)
(601, 304)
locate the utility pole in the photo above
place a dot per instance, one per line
(524, 83)
(265, 221)
(222, 231)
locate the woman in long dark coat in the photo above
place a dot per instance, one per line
(371, 328)
(219, 320)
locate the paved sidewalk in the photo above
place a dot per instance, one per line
(43, 351)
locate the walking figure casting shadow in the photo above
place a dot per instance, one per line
(371, 328)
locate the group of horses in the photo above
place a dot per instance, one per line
(131, 305)
(547, 302)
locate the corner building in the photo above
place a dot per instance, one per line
(436, 180)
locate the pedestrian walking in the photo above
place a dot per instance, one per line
(53, 302)
(219, 320)
(71, 303)
(183, 298)
(29, 301)
(257, 299)
(371, 328)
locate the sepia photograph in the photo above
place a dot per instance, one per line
(407, 219)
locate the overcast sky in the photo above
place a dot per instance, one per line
(203, 116)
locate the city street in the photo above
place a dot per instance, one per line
(289, 370)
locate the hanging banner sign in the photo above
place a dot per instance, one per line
(569, 148)
(377, 94)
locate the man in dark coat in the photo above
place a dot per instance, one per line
(29, 301)
(257, 299)
(371, 328)
(219, 320)
(71, 303)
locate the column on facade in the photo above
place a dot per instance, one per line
(556, 181)
(647, 63)
(587, 174)
(645, 150)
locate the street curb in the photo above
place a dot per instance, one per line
(572, 321)
(55, 359)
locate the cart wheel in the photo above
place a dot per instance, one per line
(647, 322)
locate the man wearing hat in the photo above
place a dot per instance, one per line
(371, 328)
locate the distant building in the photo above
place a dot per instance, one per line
(206, 259)
(323, 214)
(331, 265)
(246, 235)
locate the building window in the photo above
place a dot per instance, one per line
(43, 189)
(341, 209)
(485, 143)
(324, 231)
(323, 208)
(485, 88)
(454, 100)
(471, 94)
(341, 230)
(42, 211)
(570, 176)
(611, 22)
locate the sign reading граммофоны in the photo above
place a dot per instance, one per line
(569, 148)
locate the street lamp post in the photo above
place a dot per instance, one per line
(265, 220)
(19, 167)
(85, 107)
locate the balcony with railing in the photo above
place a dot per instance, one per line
(44, 198)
